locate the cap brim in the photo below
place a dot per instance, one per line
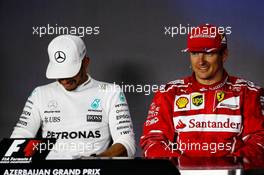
(62, 71)
(199, 50)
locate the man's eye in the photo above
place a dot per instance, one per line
(194, 53)
(210, 54)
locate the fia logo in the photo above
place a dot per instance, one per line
(122, 97)
(95, 104)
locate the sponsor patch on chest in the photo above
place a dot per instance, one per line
(222, 101)
(193, 101)
(94, 118)
(208, 123)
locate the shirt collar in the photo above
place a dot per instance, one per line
(84, 85)
(214, 86)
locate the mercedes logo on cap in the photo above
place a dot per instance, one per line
(60, 56)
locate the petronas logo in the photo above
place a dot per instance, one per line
(122, 97)
(95, 104)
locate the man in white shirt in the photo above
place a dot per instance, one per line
(87, 117)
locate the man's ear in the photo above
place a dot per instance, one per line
(86, 61)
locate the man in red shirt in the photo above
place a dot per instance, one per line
(210, 113)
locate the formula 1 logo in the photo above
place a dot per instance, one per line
(28, 150)
(20, 151)
(24, 150)
(14, 147)
(60, 56)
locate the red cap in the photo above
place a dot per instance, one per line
(205, 38)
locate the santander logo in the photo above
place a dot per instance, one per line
(180, 125)
(208, 122)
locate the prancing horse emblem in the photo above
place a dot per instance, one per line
(220, 96)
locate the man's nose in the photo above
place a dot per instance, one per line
(201, 58)
(200, 55)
